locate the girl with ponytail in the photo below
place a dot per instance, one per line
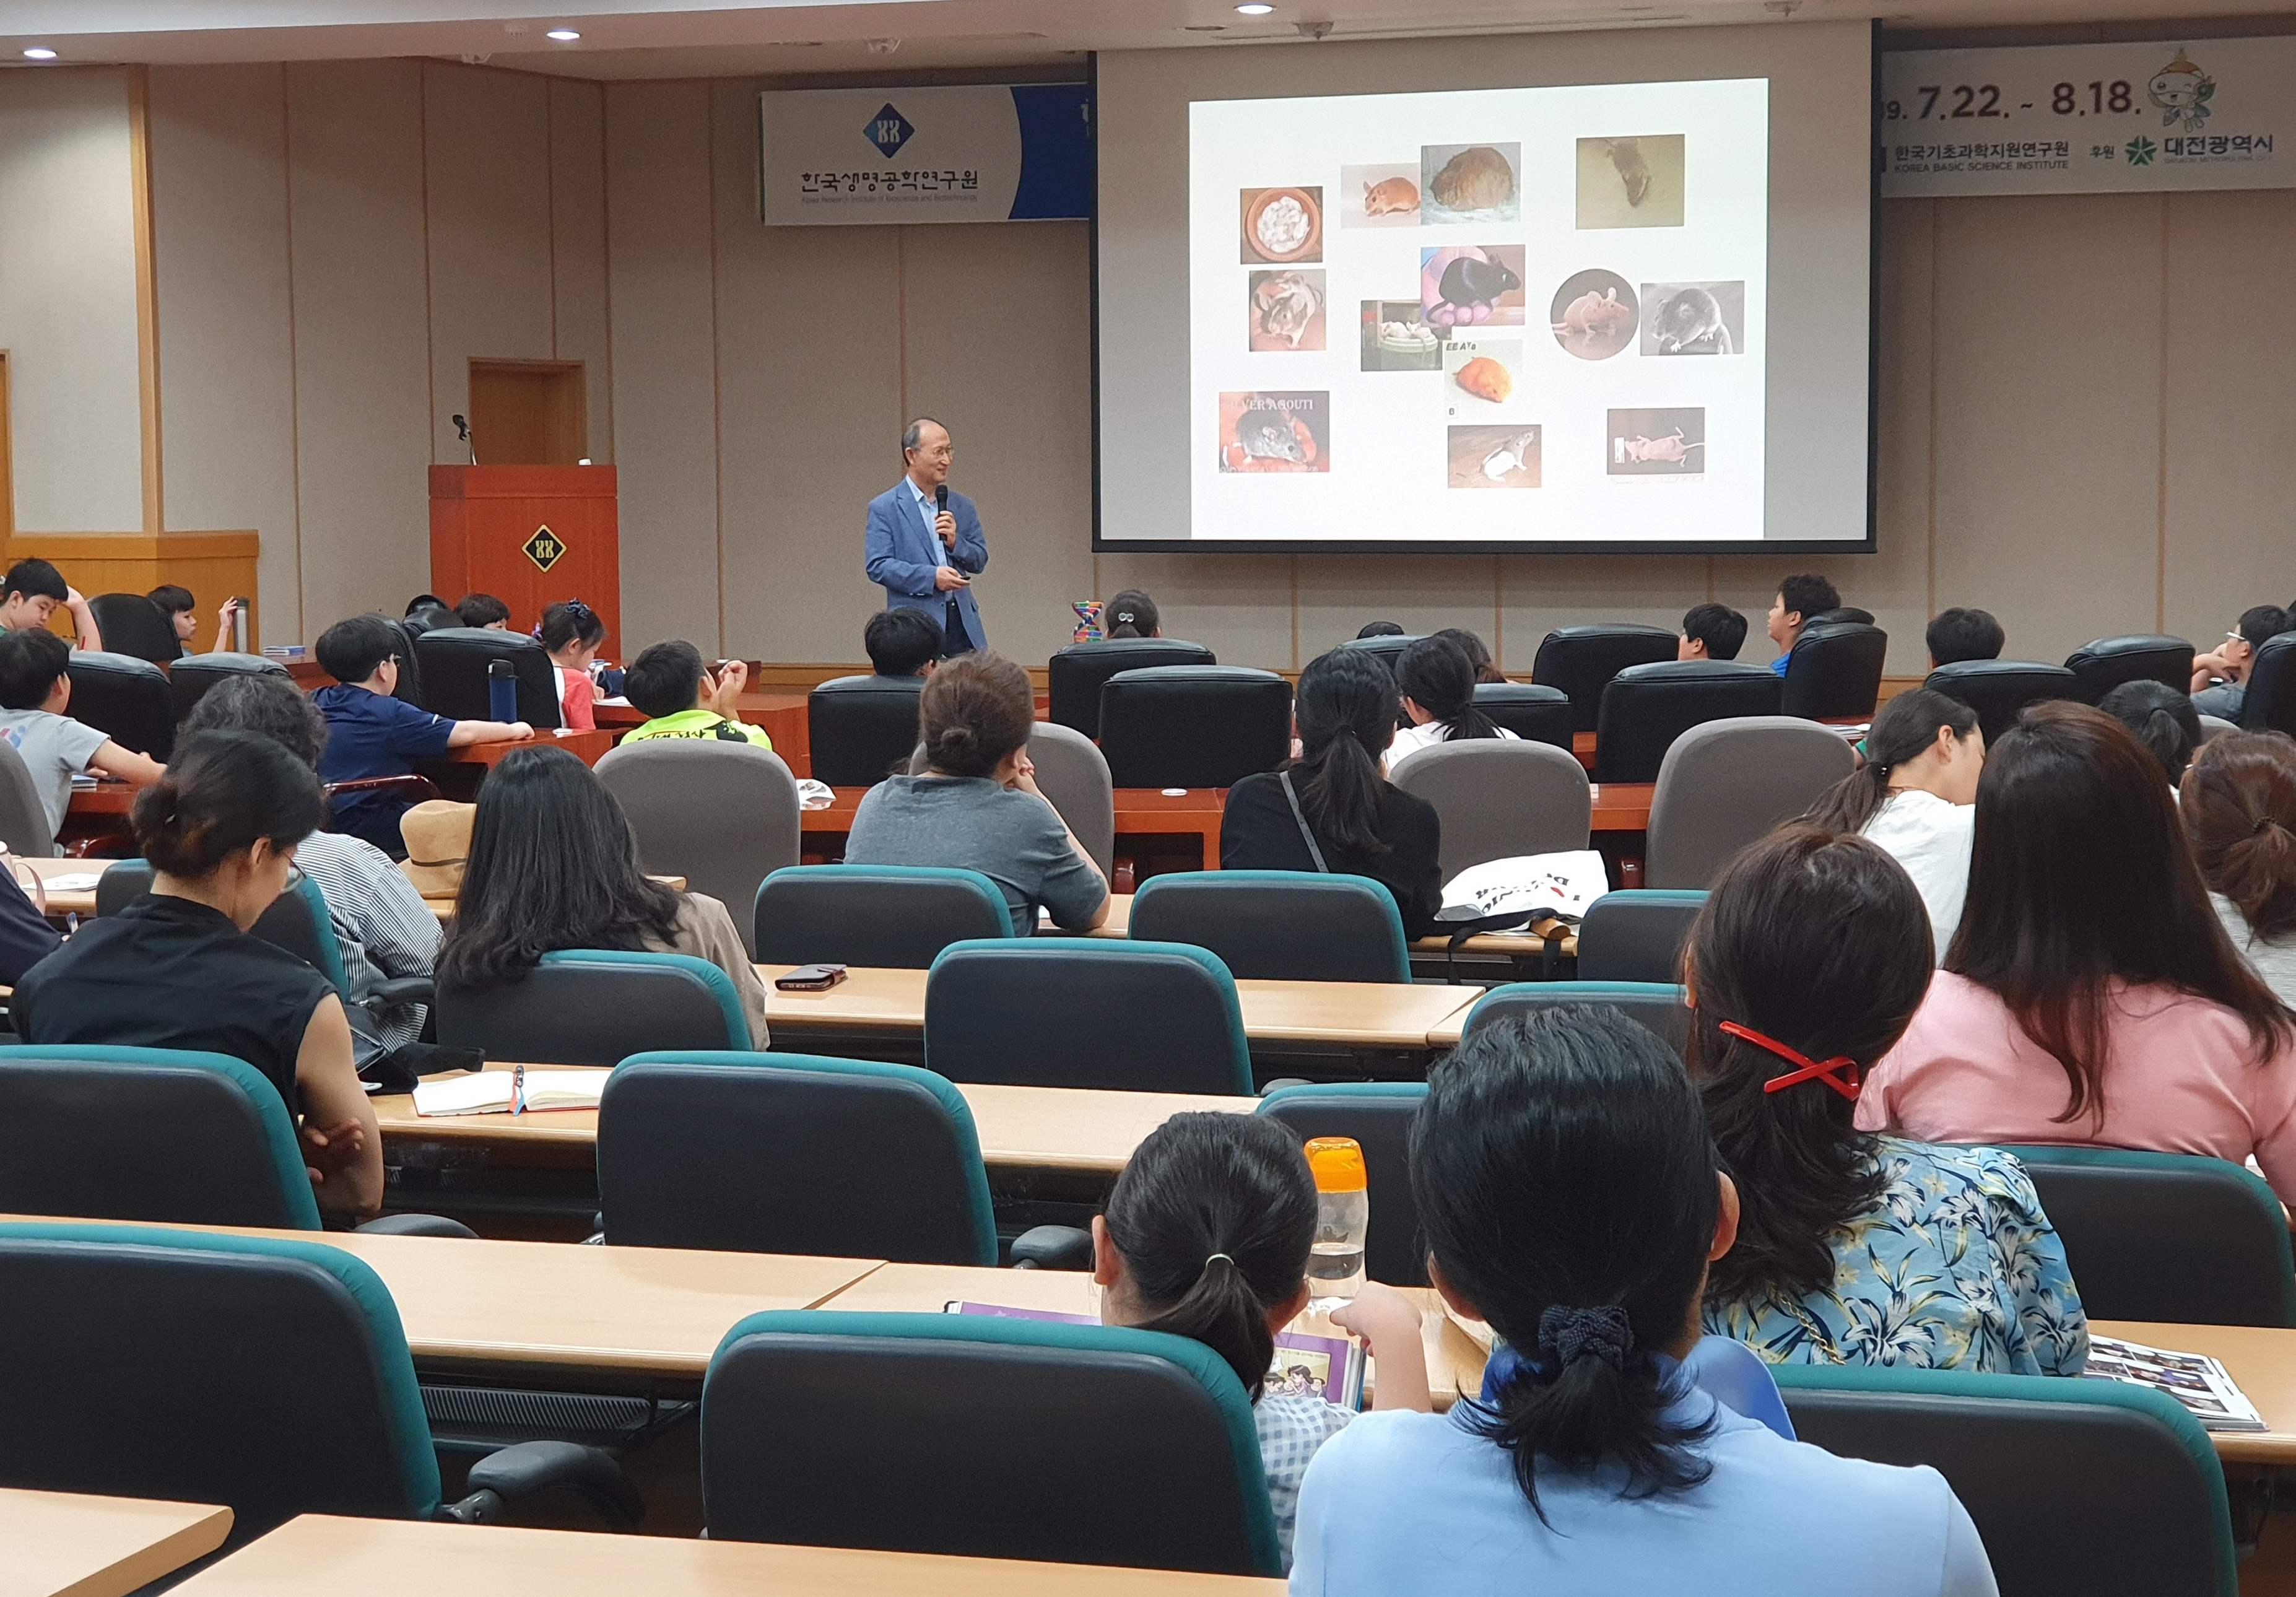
(1915, 797)
(1571, 1201)
(2239, 805)
(1205, 1236)
(1438, 680)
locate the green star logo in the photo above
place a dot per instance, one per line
(2140, 151)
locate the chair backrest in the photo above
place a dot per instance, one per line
(1660, 1006)
(1496, 799)
(193, 677)
(2211, 725)
(1077, 1013)
(1076, 675)
(148, 1134)
(1533, 712)
(1637, 934)
(298, 922)
(2092, 1487)
(2100, 666)
(1834, 671)
(986, 1437)
(596, 1007)
(1725, 785)
(454, 663)
(1193, 726)
(1389, 646)
(1646, 707)
(2170, 1237)
(2270, 702)
(266, 1373)
(121, 884)
(894, 917)
(409, 690)
(124, 698)
(1377, 1114)
(132, 624)
(790, 1153)
(1072, 774)
(723, 816)
(23, 819)
(860, 729)
(1278, 925)
(1581, 660)
(1998, 689)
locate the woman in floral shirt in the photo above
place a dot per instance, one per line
(1805, 967)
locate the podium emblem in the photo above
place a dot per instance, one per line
(544, 548)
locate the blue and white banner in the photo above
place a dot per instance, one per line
(981, 153)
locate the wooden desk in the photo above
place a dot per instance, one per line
(2263, 1364)
(384, 1558)
(780, 712)
(80, 901)
(60, 1544)
(588, 747)
(1488, 945)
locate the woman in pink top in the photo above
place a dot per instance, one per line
(2091, 994)
(572, 634)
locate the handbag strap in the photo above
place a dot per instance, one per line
(1298, 816)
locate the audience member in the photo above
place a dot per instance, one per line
(1570, 1196)
(26, 938)
(667, 683)
(1710, 631)
(1813, 946)
(1206, 1235)
(35, 689)
(1131, 614)
(571, 634)
(2160, 718)
(1478, 656)
(1914, 796)
(484, 611)
(1330, 809)
(370, 734)
(383, 929)
(976, 806)
(902, 642)
(1381, 629)
(2240, 811)
(176, 969)
(2227, 667)
(1799, 600)
(30, 596)
(1436, 680)
(554, 866)
(180, 608)
(2091, 994)
(1959, 635)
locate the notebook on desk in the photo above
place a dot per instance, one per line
(488, 1093)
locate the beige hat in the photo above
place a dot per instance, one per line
(438, 834)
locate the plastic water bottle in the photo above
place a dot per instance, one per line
(502, 691)
(1335, 1263)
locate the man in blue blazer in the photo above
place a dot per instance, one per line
(925, 557)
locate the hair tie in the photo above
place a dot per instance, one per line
(1208, 1262)
(1566, 1335)
(2263, 822)
(1807, 1068)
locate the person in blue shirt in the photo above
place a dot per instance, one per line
(925, 557)
(1799, 600)
(1571, 1199)
(370, 734)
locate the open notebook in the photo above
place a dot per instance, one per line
(488, 1093)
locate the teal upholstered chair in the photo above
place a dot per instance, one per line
(1660, 1006)
(895, 917)
(596, 1007)
(1278, 925)
(1637, 933)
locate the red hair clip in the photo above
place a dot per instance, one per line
(1806, 1068)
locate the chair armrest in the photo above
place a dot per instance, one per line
(1281, 1082)
(519, 1471)
(416, 1225)
(1053, 1247)
(402, 989)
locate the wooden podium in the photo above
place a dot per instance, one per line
(531, 536)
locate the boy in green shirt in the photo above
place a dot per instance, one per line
(670, 684)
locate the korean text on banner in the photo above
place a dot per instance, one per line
(978, 154)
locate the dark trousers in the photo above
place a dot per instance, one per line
(955, 639)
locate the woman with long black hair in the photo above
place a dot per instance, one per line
(1437, 678)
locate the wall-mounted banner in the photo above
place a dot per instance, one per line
(981, 153)
(2090, 118)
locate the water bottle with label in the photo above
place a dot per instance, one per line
(1335, 1263)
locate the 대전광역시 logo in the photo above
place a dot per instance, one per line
(889, 130)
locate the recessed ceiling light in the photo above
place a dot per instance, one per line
(1254, 8)
(564, 36)
(39, 52)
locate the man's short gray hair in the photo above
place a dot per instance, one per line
(914, 432)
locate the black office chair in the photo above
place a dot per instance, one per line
(1278, 925)
(589, 1007)
(1377, 1114)
(886, 917)
(195, 676)
(862, 729)
(430, 618)
(979, 1436)
(1533, 713)
(1389, 647)
(2104, 665)
(454, 661)
(1998, 690)
(1646, 707)
(1076, 675)
(1658, 1006)
(1637, 934)
(132, 624)
(1581, 660)
(124, 698)
(1834, 672)
(1193, 726)
(409, 690)
(1840, 614)
(2269, 704)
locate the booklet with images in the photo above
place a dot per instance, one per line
(1331, 1368)
(2201, 1383)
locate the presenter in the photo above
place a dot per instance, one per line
(924, 546)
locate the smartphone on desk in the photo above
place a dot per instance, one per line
(810, 978)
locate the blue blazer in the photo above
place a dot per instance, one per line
(902, 552)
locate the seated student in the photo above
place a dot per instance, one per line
(26, 938)
(30, 595)
(1958, 634)
(1330, 807)
(902, 643)
(571, 634)
(35, 688)
(179, 606)
(1438, 683)
(1799, 600)
(1813, 946)
(1131, 614)
(2091, 995)
(1569, 1193)
(975, 806)
(1206, 1235)
(178, 970)
(1710, 631)
(2239, 809)
(1914, 795)
(2160, 719)
(382, 928)
(554, 866)
(1478, 655)
(484, 611)
(1381, 629)
(2220, 677)
(370, 734)
(667, 683)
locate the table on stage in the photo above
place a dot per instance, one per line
(63, 1545)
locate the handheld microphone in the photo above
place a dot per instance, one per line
(940, 498)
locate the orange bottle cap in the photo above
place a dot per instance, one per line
(1337, 1163)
